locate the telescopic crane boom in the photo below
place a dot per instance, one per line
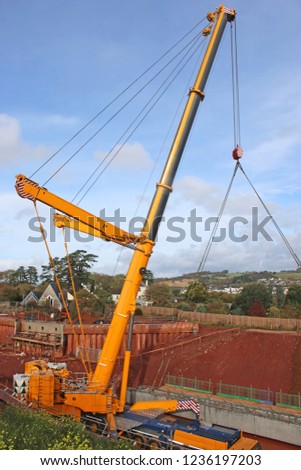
(98, 396)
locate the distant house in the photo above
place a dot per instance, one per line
(50, 296)
(141, 298)
(31, 299)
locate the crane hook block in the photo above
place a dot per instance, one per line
(211, 17)
(237, 152)
(207, 31)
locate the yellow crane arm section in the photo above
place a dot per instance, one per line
(127, 301)
(89, 223)
(99, 387)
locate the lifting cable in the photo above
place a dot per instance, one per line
(237, 154)
(215, 227)
(83, 359)
(115, 114)
(235, 85)
(87, 356)
(285, 240)
(111, 103)
(147, 108)
(160, 151)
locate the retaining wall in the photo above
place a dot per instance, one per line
(7, 328)
(145, 337)
(266, 421)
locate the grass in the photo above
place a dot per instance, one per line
(27, 430)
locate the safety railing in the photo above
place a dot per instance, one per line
(245, 393)
(288, 401)
(203, 386)
(265, 396)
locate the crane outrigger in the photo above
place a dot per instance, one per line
(97, 398)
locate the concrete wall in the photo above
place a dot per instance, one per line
(267, 421)
(234, 320)
(52, 328)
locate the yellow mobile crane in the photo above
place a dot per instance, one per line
(96, 400)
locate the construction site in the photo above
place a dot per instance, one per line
(247, 377)
(168, 378)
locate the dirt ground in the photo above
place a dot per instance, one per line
(260, 359)
(257, 358)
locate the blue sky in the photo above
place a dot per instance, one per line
(62, 61)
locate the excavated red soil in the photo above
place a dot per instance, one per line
(260, 359)
(257, 358)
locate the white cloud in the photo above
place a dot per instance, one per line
(131, 157)
(273, 153)
(59, 120)
(10, 263)
(12, 147)
(198, 191)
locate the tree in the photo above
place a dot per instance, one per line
(6, 276)
(32, 275)
(217, 306)
(280, 296)
(148, 276)
(93, 304)
(47, 274)
(159, 294)
(293, 296)
(10, 293)
(250, 294)
(80, 261)
(19, 276)
(196, 292)
(256, 310)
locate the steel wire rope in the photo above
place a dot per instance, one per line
(125, 132)
(236, 117)
(215, 227)
(123, 107)
(237, 142)
(235, 86)
(161, 149)
(118, 96)
(168, 131)
(79, 316)
(237, 139)
(56, 278)
(137, 126)
(285, 240)
(118, 112)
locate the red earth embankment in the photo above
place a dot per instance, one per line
(257, 358)
(261, 359)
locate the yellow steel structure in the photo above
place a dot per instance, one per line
(98, 396)
(29, 189)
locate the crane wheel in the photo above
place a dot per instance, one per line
(139, 442)
(93, 427)
(154, 445)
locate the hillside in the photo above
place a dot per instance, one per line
(227, 279)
